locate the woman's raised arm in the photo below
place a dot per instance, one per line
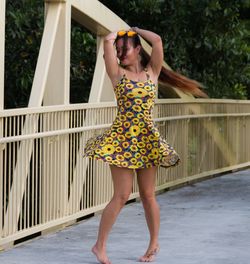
(111, 63)
(156, 57)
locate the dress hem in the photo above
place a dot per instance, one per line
(117, 165)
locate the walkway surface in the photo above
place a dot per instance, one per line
(204, 223)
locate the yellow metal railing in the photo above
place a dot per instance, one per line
(54, 185)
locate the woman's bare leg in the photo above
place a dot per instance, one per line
(146, 181)
(122, 181)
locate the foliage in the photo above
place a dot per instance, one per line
(24, 28)
(83, 57)
(23, 37)
(203, 39)
(245, 20)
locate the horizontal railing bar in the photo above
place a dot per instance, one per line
(48, 109)
(51, 133)
(88, 128)
(70, 107)
(169, 118)
(202, 101)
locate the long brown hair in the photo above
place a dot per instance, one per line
(167, 76)
(175, 79)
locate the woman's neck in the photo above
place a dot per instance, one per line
(136, 73)
(135, 68)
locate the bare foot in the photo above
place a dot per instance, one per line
(149, 256)
(100, 255)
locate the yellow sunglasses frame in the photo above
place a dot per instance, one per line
(129, 33)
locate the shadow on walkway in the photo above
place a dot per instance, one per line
(204, 223)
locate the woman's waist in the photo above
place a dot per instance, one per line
(128, 119)
(130, 114)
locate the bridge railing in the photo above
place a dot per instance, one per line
(45, 182)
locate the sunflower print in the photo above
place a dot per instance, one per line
(133, 141)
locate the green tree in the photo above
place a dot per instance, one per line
(83, 57)
(203, 39)
(245, 20)
(24, 25)
(24, 28)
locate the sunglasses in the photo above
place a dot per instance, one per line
(128, 33)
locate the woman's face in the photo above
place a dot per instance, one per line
(131, 55)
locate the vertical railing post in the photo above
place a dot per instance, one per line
(57, 92)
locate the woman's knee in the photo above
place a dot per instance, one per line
(147, 197)
(121, 199)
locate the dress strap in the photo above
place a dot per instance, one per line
(147, 74)
(124, 73)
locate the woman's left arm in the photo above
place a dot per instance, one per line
(156, 58)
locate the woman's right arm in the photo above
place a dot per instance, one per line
(156, 57)
(111, 63)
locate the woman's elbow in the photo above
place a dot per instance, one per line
(157, 40)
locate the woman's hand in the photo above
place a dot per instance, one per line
(111, 36)
(135, 29)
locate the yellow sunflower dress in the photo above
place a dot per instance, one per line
(133, 141)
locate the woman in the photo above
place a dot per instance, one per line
(133, 143)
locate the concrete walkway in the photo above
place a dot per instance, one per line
(205, 223)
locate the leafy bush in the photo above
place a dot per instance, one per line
(203, 39)
(83, 57)
(24, 28)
